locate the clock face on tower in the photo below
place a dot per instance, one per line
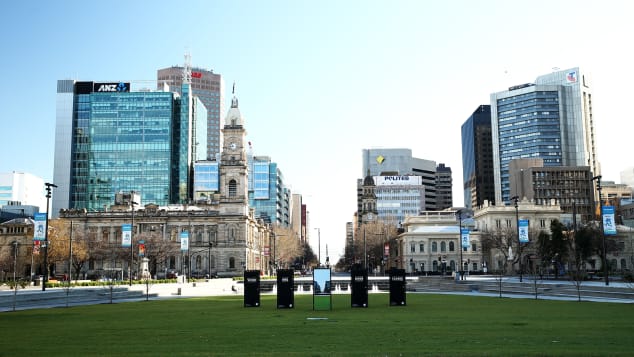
(370, 216)
(233, 146)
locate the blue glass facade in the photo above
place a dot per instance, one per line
(477, 158)
(528, 126)
(206, 177)
(121, 142)
(267, 194)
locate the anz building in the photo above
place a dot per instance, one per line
(110, 139)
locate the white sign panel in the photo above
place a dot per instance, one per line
(398, 180)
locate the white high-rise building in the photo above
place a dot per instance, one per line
(550, 119)
(25, 188)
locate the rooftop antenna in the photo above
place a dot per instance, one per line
(187, 68)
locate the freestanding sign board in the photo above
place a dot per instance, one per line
(251, 288)
(322, 300)
(359, 286)
(397, 287)
(285, 289)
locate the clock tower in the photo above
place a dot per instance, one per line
(233, 162)
(368, 212)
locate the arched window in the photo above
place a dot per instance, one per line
(451, 246)
(232, 263)
(435, 265)
(443, 246)
(233, 188)
(452, 264)
(434, 247)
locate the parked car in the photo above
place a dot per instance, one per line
(171, 274)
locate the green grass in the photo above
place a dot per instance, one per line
(430, 325)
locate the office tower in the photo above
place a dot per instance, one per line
(267, 193)
(110, 139)
(477, 158)
(444, 195)
(22, 187)
(550, 119)
(209, 88)
(570, 187)
(399, 162)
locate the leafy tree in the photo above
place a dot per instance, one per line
(553, 247)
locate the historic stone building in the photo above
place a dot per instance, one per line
(222, 237)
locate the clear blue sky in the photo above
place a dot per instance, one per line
(318, 81)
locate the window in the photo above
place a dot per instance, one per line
(434, 247)
(498, 224)
(233, 188)
(443, 246)
(421, 248)
(474, 247)
(451, 246)
(434, 265)
(232, 263)
(475, 266)
(542, 223)
(508, 223)
(412, 248)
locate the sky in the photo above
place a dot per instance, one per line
(318, 81)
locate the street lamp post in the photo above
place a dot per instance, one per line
(15, 267)
(318, 247)
(460, 244)
(605, 260)
(132, 203)
(49, 187)
(519, 243)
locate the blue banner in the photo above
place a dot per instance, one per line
(464, 237)
(126, 235)
(184, 241)
(609, 227)
(523, 230)
(40, 226)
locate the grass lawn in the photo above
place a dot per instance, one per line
(430, 325)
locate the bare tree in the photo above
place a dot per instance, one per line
(370, 240)
(157, 249)
(499, 243)
(287, 246)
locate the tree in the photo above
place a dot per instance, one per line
(60, 248)
(370, 239)
(287, 247)
(553, 248)
(157, 249)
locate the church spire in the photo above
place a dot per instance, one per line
(234, 100)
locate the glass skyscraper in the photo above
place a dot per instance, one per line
(122, 141)
(477, 158)
(267, 194)
(550, 119)
(209, 88)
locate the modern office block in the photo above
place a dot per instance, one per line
(550, 119)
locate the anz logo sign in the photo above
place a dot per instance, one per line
(111, 87)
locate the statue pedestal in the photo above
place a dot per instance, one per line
(145, 271)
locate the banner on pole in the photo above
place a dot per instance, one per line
(609, 228)
(464, 237)
(184, 241)
(523, 230)
(141, 248)
(40, 226)
(126, 235)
